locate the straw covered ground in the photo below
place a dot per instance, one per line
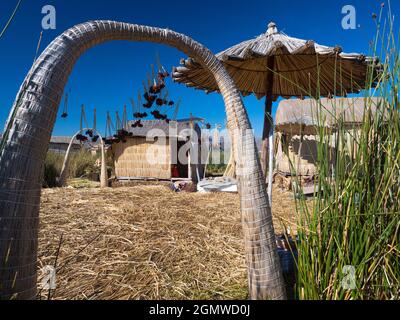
(146, 242)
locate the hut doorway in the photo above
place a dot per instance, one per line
(182, 166)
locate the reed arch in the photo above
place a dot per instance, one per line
(62, 181)
(28, 132)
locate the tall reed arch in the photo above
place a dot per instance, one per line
(27, 136)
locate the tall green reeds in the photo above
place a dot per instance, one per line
(82, 165)
(349, 240)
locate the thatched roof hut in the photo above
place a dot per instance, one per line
(297, 116)
(297, 124)
(60, 144)
(160, 151)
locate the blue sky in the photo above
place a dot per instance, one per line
(108, 75)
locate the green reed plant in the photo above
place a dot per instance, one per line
(349, 240)
(219, 168)
(52, 168)
(83, 164)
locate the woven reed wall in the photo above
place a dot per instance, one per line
(131, 159)
(286, 163)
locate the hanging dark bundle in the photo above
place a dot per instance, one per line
(160, 102)
(64, 115)
(137, 124)
(153, 95)
(89, 133)
(149, 98)
(140, 115)
(81, 138)
(121, 133)
(157, 115)
(118, 138)
(108, 141)
(162, 75)
(95, 138)
(148, 105)
(121, 126)
(156, 88)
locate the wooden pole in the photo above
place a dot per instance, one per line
(271, 164)
(103, 170)
(190, 149)
(267, 114)
(189, 166)
(299, 160)
(267, 138)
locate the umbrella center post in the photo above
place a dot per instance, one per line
(267, 138)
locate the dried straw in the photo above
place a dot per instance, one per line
(146, 242)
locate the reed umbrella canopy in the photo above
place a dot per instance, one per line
(299, 68)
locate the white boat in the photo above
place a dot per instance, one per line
(220, 184)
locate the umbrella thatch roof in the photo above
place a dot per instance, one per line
(296, 116)
(296, 64)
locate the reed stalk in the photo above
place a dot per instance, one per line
(350, 249)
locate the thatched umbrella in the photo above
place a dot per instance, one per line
(273, 65)
(27, 135)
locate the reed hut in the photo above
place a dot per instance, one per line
(298, 123)
(60, 145)
(160, 151)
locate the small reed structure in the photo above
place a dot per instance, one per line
(160, 151)
(297, 124)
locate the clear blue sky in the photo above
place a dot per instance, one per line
(106, 76)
